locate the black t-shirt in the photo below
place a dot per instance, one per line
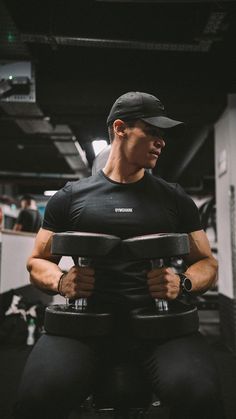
(98, 204)
(30, 219)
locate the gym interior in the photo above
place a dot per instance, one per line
(62, 65)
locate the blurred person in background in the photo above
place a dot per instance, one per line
(29, 218)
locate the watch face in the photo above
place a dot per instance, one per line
(187, 284)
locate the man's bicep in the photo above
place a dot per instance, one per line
(42, 247)
(199, 247)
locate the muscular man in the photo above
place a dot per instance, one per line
(125, 200)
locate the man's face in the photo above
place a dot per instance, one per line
(143, 144)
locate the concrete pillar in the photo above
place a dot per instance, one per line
(225, 167)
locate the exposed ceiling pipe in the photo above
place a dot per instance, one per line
(200, 46)
(160, 1)
(39, 175)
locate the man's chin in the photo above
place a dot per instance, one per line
(150, 166)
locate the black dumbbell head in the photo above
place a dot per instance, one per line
(155, 246)
(83, 244)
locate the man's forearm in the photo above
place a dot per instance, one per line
(202, 274)
(44, 274)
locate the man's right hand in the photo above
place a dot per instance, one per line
(78, 282)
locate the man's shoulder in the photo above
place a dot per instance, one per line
(71, 188)
(162, 183)
(85, 182)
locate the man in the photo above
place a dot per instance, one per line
(29, 218)
(60, 371)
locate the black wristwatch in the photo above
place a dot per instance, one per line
(185, 285)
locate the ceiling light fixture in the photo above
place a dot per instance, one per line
(49, 193)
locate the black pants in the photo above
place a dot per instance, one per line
(60, 374)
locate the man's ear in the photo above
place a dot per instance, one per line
(119, 128)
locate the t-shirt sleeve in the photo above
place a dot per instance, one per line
(56, 211)
(189, 218)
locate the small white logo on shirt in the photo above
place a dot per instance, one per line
(123, 209)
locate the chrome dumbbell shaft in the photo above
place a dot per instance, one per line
(81, 303)
(161, 304)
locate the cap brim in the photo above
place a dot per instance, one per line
(162, 122)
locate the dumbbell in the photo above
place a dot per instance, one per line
(75, 319)
(166, 319)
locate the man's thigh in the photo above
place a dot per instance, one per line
(58, 375)
(183, 371)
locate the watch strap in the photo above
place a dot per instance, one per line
(185, 295)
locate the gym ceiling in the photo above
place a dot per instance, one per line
(84, 54)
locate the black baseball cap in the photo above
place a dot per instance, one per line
(139, 105)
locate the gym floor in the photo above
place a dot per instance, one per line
(13, 358)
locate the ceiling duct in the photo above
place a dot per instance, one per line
(74, 155)
(62, 130)
(70, 149)
(20, 77)
(34, 126)
(33, 122)
(28, 116)
(30, 119)
(21, 110)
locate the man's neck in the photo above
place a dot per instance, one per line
(119, 169)
(122, 174)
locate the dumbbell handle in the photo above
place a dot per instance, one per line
(161, 304)
(80, 303)
(83, 262)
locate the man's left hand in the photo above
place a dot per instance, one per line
(163, 283)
